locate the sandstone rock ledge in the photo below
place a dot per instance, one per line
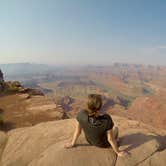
(42, 145)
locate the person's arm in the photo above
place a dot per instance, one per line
(113, 143)
(76, 134)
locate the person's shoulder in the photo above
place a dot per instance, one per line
(107, 116)
(81, 114)
(82, 111)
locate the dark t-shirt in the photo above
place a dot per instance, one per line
(95, 128)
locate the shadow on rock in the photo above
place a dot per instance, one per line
(6, 126)
(84, 144)
(137, 139)
(1, 111)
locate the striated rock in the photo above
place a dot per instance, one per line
(115, 101)
(150, 110)
(43, 145)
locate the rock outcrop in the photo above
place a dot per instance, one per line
(32, 92)
(43, 145)
(65, 102)
(8, 87)
(1, 76)
(20, 110)
(1, 81)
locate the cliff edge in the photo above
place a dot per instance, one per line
(43, 145)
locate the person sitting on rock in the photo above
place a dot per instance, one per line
(98, 127)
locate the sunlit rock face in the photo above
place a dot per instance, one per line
(43, 145)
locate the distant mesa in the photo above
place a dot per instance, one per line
(63, 84)
(122, 101)
(119, 100)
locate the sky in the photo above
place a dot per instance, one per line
(83, 31)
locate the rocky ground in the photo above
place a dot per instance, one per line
(18, 110)
(43, 145)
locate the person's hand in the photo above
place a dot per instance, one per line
(122, 153)
(69, 145)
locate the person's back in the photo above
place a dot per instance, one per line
(95, 128)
